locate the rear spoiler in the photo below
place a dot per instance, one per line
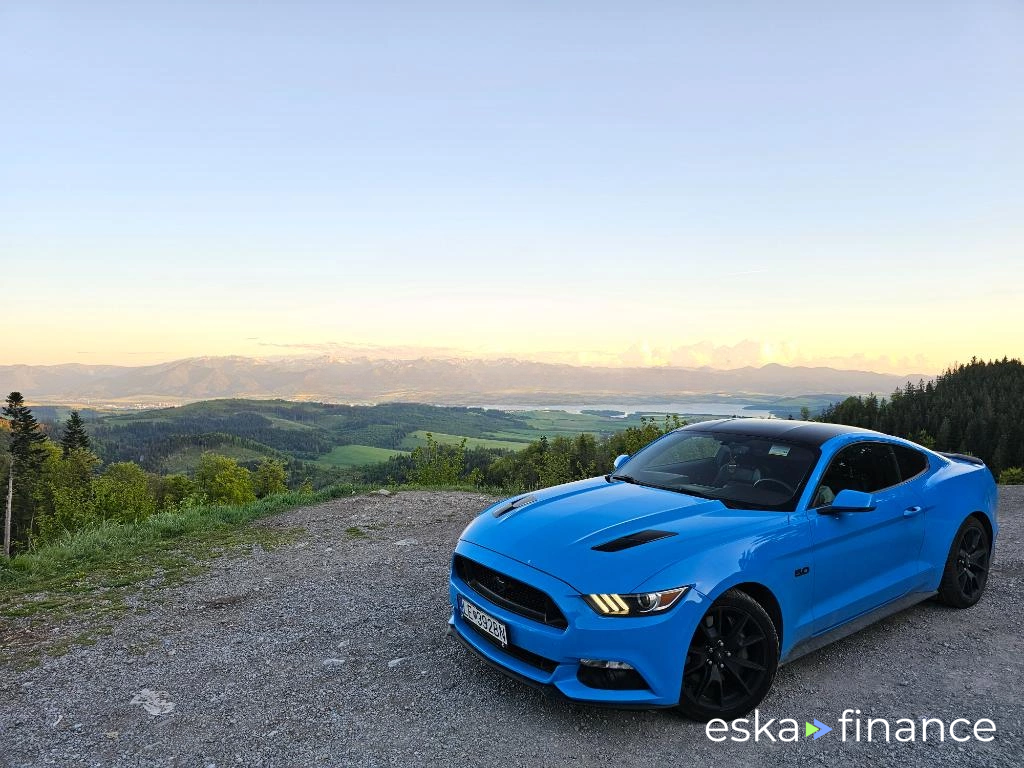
(963, 457)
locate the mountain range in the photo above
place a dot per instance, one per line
(439, 381)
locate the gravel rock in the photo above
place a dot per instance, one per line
(257, 678)
(154, 702)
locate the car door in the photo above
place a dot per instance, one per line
(864, 559)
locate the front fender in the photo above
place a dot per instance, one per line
(776, 559)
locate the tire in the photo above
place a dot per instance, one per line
(966, 571)
(731, 660)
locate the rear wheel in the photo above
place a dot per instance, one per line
(966, 571)
(731, 660)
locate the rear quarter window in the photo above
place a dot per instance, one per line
(911, 462)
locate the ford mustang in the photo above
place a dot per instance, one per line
(689, 573)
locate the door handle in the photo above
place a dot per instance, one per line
(911, 511)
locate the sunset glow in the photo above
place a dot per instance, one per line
(705, 187)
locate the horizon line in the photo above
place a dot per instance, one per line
(482, 359)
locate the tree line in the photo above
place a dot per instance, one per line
(150, 442)
(975, 408)
(59, 486)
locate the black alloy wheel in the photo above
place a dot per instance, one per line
(966, 571)
(731, 661)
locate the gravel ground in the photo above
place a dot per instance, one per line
(332, 651)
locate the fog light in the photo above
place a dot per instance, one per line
(610, 675)
(603, 664)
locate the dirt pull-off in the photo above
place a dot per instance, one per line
(332, 650)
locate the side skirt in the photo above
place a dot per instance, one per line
(855, 625)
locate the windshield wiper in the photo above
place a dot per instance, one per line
(687, 489)
(632, 480)
(691, 490)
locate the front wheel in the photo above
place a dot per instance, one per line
(966, 571)
(731, 660)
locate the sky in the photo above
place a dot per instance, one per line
(665, 183)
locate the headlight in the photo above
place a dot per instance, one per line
(641, 604)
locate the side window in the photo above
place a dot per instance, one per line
(868, 467)
(912, 463)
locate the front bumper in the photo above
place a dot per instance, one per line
(542, 655)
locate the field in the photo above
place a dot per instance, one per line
(356, 456)
(419, 438)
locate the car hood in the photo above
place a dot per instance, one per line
(557, 531)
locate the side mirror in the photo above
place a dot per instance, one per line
(620, 460)
(849, 500)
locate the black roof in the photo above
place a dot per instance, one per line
(807, 432)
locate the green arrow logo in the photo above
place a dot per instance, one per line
(817, 729)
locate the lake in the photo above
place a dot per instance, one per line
(704, 407)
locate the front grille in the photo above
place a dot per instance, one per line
(525, 656)
(511, 594)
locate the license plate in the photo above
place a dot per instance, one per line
(484, 621)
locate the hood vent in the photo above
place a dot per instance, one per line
(517, 504)
(632, 540)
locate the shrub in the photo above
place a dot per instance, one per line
(269, 478)
(172, 491)
(223, 481)
(438, 464)
(122, 493)
(66, 500)
(1012, 476)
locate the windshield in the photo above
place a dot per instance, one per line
(743, 471)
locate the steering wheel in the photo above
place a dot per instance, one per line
(772, 481)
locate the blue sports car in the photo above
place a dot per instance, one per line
(721, 550)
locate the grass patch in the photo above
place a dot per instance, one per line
(419, 438)
(116, 554)
(80, 582)
(554, 423)
(356, 456)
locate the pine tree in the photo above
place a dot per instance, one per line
(7, 476)
(27, 456)
(74, 437)
(25, 433)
